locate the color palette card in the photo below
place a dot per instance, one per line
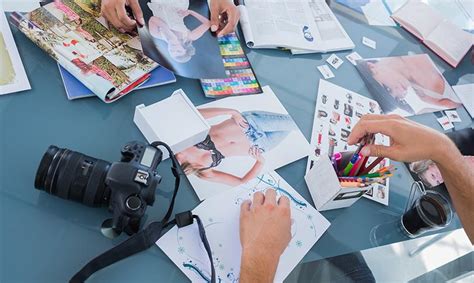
(241, 78)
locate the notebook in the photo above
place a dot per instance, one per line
(75, 89)
(304, 26)
(438, 33)
(241, 79)
(106, 61)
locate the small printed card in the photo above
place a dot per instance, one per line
(369, 42)
(334, 61)
(326, 71)
(445, 123)
(453, 116)
(353, 57)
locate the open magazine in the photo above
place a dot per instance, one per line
(106, 61)
(304, 26)
(438, 33)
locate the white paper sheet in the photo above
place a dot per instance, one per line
(12, 73)
(376, 14)
(466, 95)
(278, 138)
(326, 71)
(337, 112)
(220, 216)
(19, 5)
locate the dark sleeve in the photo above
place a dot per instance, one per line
(464, 140)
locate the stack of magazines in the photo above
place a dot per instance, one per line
(107, 62)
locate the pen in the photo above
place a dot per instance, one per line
(356, 166)
(351, 163)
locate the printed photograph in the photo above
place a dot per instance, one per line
(12, 73)
(249, 135)
(177, 36)
(427, 171)
(407, 85)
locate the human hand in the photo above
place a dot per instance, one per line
(265, 231)
(114, 11)
(256, 153)
(240, 120)
(220, 7)
(409, 141)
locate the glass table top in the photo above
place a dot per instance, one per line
(47, 238)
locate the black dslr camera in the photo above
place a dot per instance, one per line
(126, 187)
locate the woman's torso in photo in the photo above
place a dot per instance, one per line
(230, 138)
(168, 13)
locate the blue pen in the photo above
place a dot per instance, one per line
(351, 163)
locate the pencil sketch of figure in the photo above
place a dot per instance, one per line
(167, 24)
(250, 133)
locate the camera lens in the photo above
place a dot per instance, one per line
(74, 176)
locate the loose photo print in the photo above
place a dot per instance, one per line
(177, 35)
(249, 135)
(407, 85)
(12, 73)
(427, 172)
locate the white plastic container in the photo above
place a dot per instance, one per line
(173, 120)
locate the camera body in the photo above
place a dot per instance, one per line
(126, 187)
(132, 183)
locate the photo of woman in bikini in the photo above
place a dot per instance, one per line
(242, 143)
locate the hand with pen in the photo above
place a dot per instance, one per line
(410, 141)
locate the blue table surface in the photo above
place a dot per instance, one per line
(44, 238)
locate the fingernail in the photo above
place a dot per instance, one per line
(365, 151)
(121, 30)
(141, 21)
(213, 28)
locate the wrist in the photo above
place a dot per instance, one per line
(444, 151)
(259, 265)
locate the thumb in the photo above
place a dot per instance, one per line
(378, 151)
(214, 18)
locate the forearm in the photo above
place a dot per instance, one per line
(257, 268)
(459, 179)
(208, 113)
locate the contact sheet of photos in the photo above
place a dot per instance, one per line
(337, 112)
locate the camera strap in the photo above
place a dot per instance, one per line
(148, 236)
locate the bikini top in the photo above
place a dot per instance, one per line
(216, 155)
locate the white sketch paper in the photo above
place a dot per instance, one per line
(220, 217)
(12, 74)
(337, 112)
(249, 135)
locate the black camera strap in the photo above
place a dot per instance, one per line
(148, 236)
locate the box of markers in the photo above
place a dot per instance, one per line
(342, 180)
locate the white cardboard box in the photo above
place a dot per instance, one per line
(325, 190)
(173, 120)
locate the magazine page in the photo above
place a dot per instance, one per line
(418, 18)
(329, 33)
(12, 73)
(102, 58)
(450, 42)
(285, 23)
(407, 85)
(177, 35)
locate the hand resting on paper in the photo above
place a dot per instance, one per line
(410, 141)
(224, 15)
(265, 231)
